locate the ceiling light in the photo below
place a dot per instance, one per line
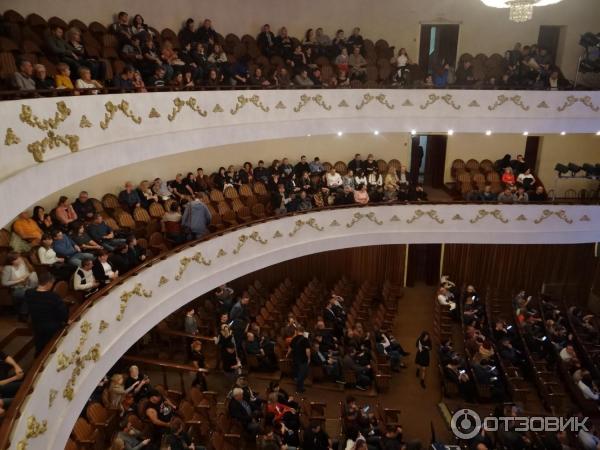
(488, 133)
(450, 132)
(519, 10)
(562, 133)
(413, 132)
(597, 133)
(308, 135)
(376, 133)
(525, 133)
(339, 133)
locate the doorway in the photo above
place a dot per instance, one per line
(549, 38)
(438, 44)
(423, 264)
(428, 159)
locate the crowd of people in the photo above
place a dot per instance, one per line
(196, 58)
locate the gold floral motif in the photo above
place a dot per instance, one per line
(51, 141)
(496, 213)
(368, 98)
(35, 428)
(431, 99)
(310, 222)
(521, 217)
(137, 291)
(502, 99)
(84, 122)
(153, 114)
(243, 101)
(51, 397)
(221, 253)
(474, 104)
(254, 236)
(162, 281)
(11, 138)
(542, 104)
(343, 104)
(585, 218)
(407, 102)
(277, 234)
(112, 109)
(190, 103)
(395, 218)
(280, 105)
(546, 213)
(571, 100)
(102, 326)
(62, 113)
(334, 223)
(420, 213)
(305, 99)
(218, 108)
(457, 217)
(357, 217)
(185, 262)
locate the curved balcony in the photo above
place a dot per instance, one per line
(51, 143)
(59, 383)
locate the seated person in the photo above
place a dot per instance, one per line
(85, 81)
(361, 196)
(282, 413)
(159, 411)
(387, 345)
(129, 198)
(84, 279)
(264, 351)
(64, 212)
(82, 239)
(100, 232)
(22, 80)
(137, 383)
(455, 373)
(18, 276)
(315, 438)
(27, 229)
(508, 177)
(135, 254)
(103, 269)
(363, 374)
(54, 264)
(329, 363)
(9, 385)
(65, 248)
(129, 437)
(62, 79)
(333, 179)
(240, 410)
(84, 208)
(526, 179)
(119, 259)
(539, 195)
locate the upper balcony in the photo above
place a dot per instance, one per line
(62, 140)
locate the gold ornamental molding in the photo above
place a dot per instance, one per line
(368, 98)
(137, 291)
(221, 253)
(502, 99)
(77, 359)
(153, 114)
(496, 214)
(521, 218)
(103, 325)
(474, 104)
(112, 109)
(334, 223)
(301, 223)
(457, 217)
(52, 393)
(343, 104)
(585, 218)
(244, 238)
(34, 429)
(277, 234)
(85, 122)
(280, 105)
(52, 141)
(395, 218)
(218, 109)
(243, 101)
(542, 105)
(420, 213)
(190, 103)
(184, 263)
(571, 100)
(306, 99)
(162, 281)
(11, 138)
(561, 214)
(432, 98)
(61, 114)
(357, 217)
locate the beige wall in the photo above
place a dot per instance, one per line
(328, 148)
(482, 29)
(578, 149)
(480, 147)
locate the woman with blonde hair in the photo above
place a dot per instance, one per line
(117, 394)
(390, 185)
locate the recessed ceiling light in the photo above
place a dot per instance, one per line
(376, 132)
(525, 133)
(488, 133)
(562, 133)
(308, 135)
(597, 133)
(413, 132)
(450, 132)
(339, 133)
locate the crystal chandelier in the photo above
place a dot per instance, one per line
(519, 10)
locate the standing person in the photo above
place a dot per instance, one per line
(196, 218)
(48, 312)
(300, 352)
(422, 357)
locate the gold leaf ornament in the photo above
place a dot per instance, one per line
(191, 103)
(368, 98)
(420, 213)
(244, 238)
(11, 138)
(242, 101)
(305, 99)
(357, 217)
(111, 111)
(301, 223)
(496, 214)
(546, 214)
(85, 122)
(137, 291)
(61, 114)
(187, 260)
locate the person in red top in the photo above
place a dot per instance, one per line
(282, 413)
(508, 177)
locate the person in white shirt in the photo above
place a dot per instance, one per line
(47, 257)
(84, 279)
(584, 381)
(568, 354)
(401, 61)
(526, 179)
(333, 179)
(17, 276)
(444, 297)
(85, 81)
(360, 178)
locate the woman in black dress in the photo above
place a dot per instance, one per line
(422, 357)
(198, 360)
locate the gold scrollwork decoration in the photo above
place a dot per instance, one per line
(357, 217)
(112, 109)
(432, 213)
(51, 141)
(102, 326)
(521, 217)
(395, 218)
(280, 105)
(153, 114)
(137, 291)
(243, 101)
(310, 222)
(496, 214)
(407, 102)
(334, 223)
(474, 104)
(368, 98)
(85, 122)
(561, 214)
(162, 281)
(277, 234)
(61, 114)
(571, 100)
(221, 253)
(33, 430)
(254, 236)
(450, 101)
(191, 103)
(502, 99)
(218, 108)
(184, 263)
(51, 397)
(343, 104)
(306, 99)
(457, 217)
(431, 99)
(542, 105)
(11, 138)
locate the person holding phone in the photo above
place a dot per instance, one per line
(422, 358)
